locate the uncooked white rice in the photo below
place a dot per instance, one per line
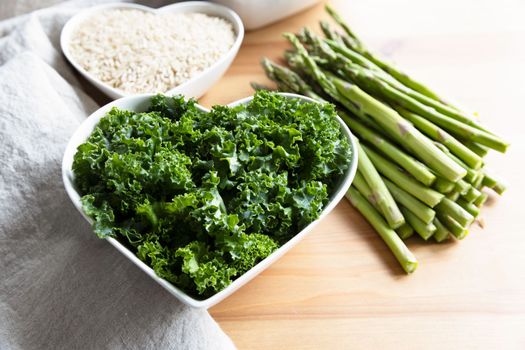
(138, 51)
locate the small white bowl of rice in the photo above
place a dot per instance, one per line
(126, 49)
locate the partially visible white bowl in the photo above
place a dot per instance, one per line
(259, 13)
(195, 87)
(140, 103)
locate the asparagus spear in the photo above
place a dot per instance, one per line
(361, 103)
(379, 193)
(416, 141)
(405, 231)
(470, 207)
(442, 232)
(491, 182)
(419, 209)
(480, 150)
(427, 195)
(477, 182)
(407, 134)
(424, 230)
(443, 185)
(342, 23)
(434, 101)
(472, 175)
(470, 158)
(330, 34)
(471, 195)
(355, 44)
(453, 196)
(371, 185)
(481, 199)
(288, 80)
(454, 126)
(398, 95)
(439, 106)
(462, 187)
(453, 226)
(397, 246)
(455, 211)
(407, 162)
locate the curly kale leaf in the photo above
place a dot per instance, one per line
(203, 197)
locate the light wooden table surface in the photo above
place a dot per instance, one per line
(341, 288)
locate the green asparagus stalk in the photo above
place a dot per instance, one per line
(424, 230)
(379, 193)
(397, 246)
(308, 64)
(480, 150)
(362, 186)
(257, 86)
(470, 207)
(355, 57)
(471, 195)
(419, 209)
(405, 231)
(477, 183)
(452, 125)
(439, 106)
(361, 103)
(442, 233)
(470, 158)
(414, 167)
(288, 80)
(453, 226)
(453, 196)
(434, 101)
(381, 86)
(341, 23)
(411, 139)
(330, 34)
(355, 44)
(496, 185)
(407, 133)
(462, 187)
(480, 200)
(472, 175)
(443, 185)
(455, 211)
(427, 195)
(463, 130)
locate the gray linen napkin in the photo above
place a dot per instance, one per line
(60, 286)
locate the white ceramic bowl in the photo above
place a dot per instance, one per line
(259, 13)
(140, 103)
(195, 87)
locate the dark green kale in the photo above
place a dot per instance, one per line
(203, 197)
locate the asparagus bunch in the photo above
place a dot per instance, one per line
(421, 160)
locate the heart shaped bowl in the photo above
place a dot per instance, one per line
(196, 86)
(140, 103)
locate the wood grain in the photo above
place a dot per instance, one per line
(341, 288)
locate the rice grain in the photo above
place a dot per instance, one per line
(138, 51)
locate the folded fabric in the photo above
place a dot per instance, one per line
(61, 287)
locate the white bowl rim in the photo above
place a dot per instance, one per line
(219, 10)
(86, 129)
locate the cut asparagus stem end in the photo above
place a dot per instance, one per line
(405, 231)
(442, 233)
(404, 256)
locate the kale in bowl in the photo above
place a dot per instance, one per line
(202, 197)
